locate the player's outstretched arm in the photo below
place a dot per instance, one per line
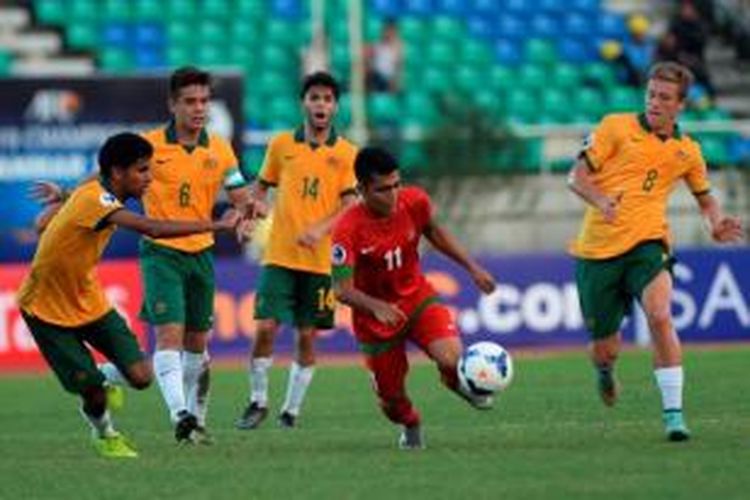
(313, 234)
(155, 228)
(449, 246)
(581, 183)
(45, 216)
(723, 228)
(346, 293)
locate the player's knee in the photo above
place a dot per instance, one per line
(660, 321)
(140, 375)
(94, 400)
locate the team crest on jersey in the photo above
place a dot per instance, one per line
(107, 199)
(338, 255)
(210, 163)
(332, 161)
(682, 155)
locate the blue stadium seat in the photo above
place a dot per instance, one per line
(554, 7)
(149, 34)
(287, 9)
(576, 25)
(510, 26)
(572, 50)
(485, 7)
(386, 8)
(418, 7)
(543, 26)
(116, 34)
(610, 26)
(521, 7)
(507, 51)
(587, 7)
(148, 58)
(480, 26)
(452, 7)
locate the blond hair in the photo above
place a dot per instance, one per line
(671, 71)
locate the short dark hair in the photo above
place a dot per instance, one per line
(186, 76)
(372, 161)
(670, 71)
(122, 150)
(322, 79)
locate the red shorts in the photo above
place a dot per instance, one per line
(388, 362)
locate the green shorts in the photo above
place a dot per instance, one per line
(179, 287)
(69, 357)
(298, 297)
(607, 287)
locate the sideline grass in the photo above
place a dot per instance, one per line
(548, 437)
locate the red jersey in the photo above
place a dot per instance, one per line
(382, 256)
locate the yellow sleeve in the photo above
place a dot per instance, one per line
(92, 207)
(271, 169)
(697, 176)
(231, 174)
(601, 144)
(348, 179)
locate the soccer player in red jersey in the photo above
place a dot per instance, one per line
(377, 273)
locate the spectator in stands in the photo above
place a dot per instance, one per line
(385, 60)
(315, 56)
(691, 36)
(633, 57)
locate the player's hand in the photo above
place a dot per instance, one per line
(244, 230)
(388, 314)
(311, 236)
(727, 229)
(256, 209)
(228, 221)
(46, 192)
(483, 279)
(608, 205)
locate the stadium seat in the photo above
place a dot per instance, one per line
(543, 26)
(589, 103)
(275, 57)
(147, 10)
(419, 109)
(115, 34)
(521, 105)
(180, 34)
(480, 26)
(488, 103)
(413, 30)
(418, 7)
(249, 9)
(523, 8)
(476, 54)
(6, 61)
(211, 33)
(507, 52)
(291, 10)
(575, 25)
(149, 58)
(539, 51)
(242, 55)
(532, 76)
(148, 34)
(501, 78)
(52, 12)
(283, 113)
(116, 60)
(565, 76)
(210, 56)
(510, 27)
(383, 109)
(115, 10)
(714, 151)
(218, 10)
(485, 7)
(440, 54)
(556, 105)
(178, 55)
(413, 157)
(386, 8)
(599, 74)
(436, 80)
(623, 98)
(447, 29)
(82, 36)
(180, 10)
(455, 8)
(82, 10)
(288, 34)
(468, 79)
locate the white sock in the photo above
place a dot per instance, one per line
(192, 364)
(203, 390)
(299, 380)
(100, 427)
(168, 371)
(259, 380)
(670, 381)
(113, 375)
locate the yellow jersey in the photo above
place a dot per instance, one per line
(61, 287)
(627, 158)
(186, 182)
(310, 181)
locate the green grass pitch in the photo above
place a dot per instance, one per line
(548, 437)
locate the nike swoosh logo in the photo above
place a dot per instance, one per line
(367, 250)
(162, 162)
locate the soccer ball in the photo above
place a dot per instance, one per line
(485, 368)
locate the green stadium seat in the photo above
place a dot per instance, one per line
(278, 58)
(242, 55)
(589, 103)
(714, 151)
(502, 78)
(283, 112)
(180, 10)
(556, 105)
(565, 76)
(532, 76)
(468, 80)
(51, 12)
(180, 34)
(179, 55)
(82, 35)
(414, 30)
(539, 51)
(338, 33)
(256, 108)
(6, 61)
(623, 98)
(413, 157)
(715, 114)
(242, 31)
(116, 60)
(284, 33)
(448, 29)
(521, 105)
(252, 161)
(82, 10)
(599, 74)
(219, 10)
(115, 10)
(373, 27)
(436, 80)
(383, 109)
(270, 84)
(476, 53)
(340, 59)
(210, 56)
(250, 9)
(419, 108)
(344, 115)
(487, 102)
(437, 53)
(147, 10)
(211, 33)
